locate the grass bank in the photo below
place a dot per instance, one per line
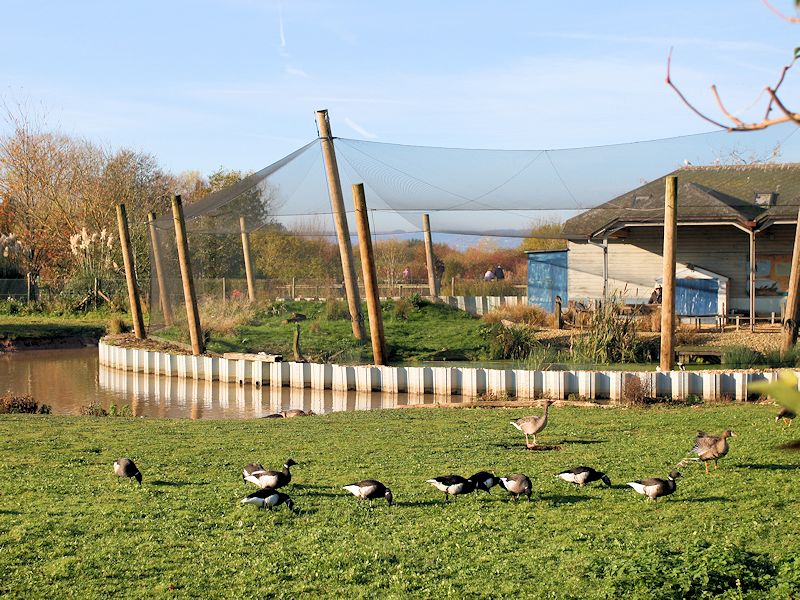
(68, 528)
(23, 329)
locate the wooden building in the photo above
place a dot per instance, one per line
(726, 216)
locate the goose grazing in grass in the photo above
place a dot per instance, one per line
(454, 485)
(296, 412)
(654, 487)
(580, 476)
(532, 425)
(711, 447)
(486, 479)
(269, 498)
(786, 414)
(273, 479)
(370, 489)
(517, 485)
(125, 467)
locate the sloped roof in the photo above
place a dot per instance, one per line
(721, 194)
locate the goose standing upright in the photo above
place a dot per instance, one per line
(251, 472)
(711, 447)
(125, 467)
(654, 487)
(370, 489)
(532, 424)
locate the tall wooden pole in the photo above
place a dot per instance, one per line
(790, 314)
(190, 299)
(426, 230)
(342, 229)
(163, 293)
(248, 260)
(668, 286)
(370, 276)
(130, 274)
(752, 280)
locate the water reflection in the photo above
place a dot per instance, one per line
(70, 379)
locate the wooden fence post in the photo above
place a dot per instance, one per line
(248, 260)
(190, 299)
(668, 285)
(432, 283)
(163, 292)
(130, 274)
(370, 276)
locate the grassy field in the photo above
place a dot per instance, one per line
(45, 326)
(68, 528)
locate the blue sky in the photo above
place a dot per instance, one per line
(202, 84)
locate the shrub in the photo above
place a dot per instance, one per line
(611, 337)
(687, 336)
(416, 300)
(123, 410)
(504, 343)
(402, 309)
(117, 325)
(742, 357)
(93, 410)
(10, 403)
(336, 310)
(226, 317)
(636, 391)
(791, 358)
(531, 315)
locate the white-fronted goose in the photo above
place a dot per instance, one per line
(125, 467)
(486, 479)
(455, 485)
(274, 479)
(654, 487)
(786, 414)
(580, 476)
(711, 447)
(532, 424)
(268, 498)
(370, 489)
(296, 412)
(517, 484)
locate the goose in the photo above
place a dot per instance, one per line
(125, 467)
(251, 472)
(532, 425)
(488, 480)
(786, 414)
(654, 488)
(711, 447)
(454, 485)
(273, 479)
(517, 485)
(370, 489)
(580, 476)
(268, 498)
(296, 412)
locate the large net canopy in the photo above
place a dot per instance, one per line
(591, 217)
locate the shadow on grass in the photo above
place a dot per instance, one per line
(581, 442)
(162, 483)
(770, 467)
(9, 512)
(544, 448)
(559, 499)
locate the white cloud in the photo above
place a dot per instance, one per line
(295, 71)
(359, 129)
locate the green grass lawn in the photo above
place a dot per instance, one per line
(69, 528)
(30, 327)
(431, 332)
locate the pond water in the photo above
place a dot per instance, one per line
(70, 379)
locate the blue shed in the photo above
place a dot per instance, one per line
(547, 277)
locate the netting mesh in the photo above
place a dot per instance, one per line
(487, 206)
